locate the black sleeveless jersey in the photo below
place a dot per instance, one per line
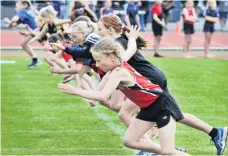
(144, 67)
(52, 28)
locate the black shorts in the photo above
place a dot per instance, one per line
(161, 110)
(208, 28)
(164, 86)
(188, 28)
(44, 38)
(157, 29)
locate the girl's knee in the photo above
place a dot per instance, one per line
(122, 115)
(23, 44)
(128, 142)
(115, 107)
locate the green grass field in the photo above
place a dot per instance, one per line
(38, 119)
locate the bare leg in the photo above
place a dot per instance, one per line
(208, 37)
(76, 76)
(187, 41)
(166, 19)
(194, 122)
(60, 62)
(87, 78)
(167, 139)
(127, 112)
(27, 48)
(132, 138)
(157, 41)
(48, 59)
(115, 102)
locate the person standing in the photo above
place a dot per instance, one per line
(107, 9)
(189, 18)
(157, 25)
(211, 18)
(132, 16)
(223, 13)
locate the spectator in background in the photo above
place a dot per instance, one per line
(223, 13)
(132, 16)
(167, 5)
(189, 17)
(107, 9)
(118, 4)
(83, 12)
(41, 4)
(211, 18)
(143, 6)
(75, 4)
(59, 6)
(100, 4)
(157, 25)
(197, 9)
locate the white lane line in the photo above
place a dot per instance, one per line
(63, 149)
(38, 118)
(116, 128)
(206, 149)
(57, 131)
(7, 62)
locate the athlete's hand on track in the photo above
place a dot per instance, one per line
(67, 88)
(134, 32)
(91, 103)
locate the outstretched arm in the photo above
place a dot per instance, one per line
(103, 82)
(131, 46)
(63, 21)
(102, 95)
(76, 51)
(39, 34)
(73, 70)
(11, 22)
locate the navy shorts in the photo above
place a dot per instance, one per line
(223, 15)
(209, 28)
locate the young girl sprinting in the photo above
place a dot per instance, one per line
(25, 17)
(52, 25)
(156, 105)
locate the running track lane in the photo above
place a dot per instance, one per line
(169, 40)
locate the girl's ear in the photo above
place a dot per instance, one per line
(110, 30)
(84, 34)
(112, 57)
